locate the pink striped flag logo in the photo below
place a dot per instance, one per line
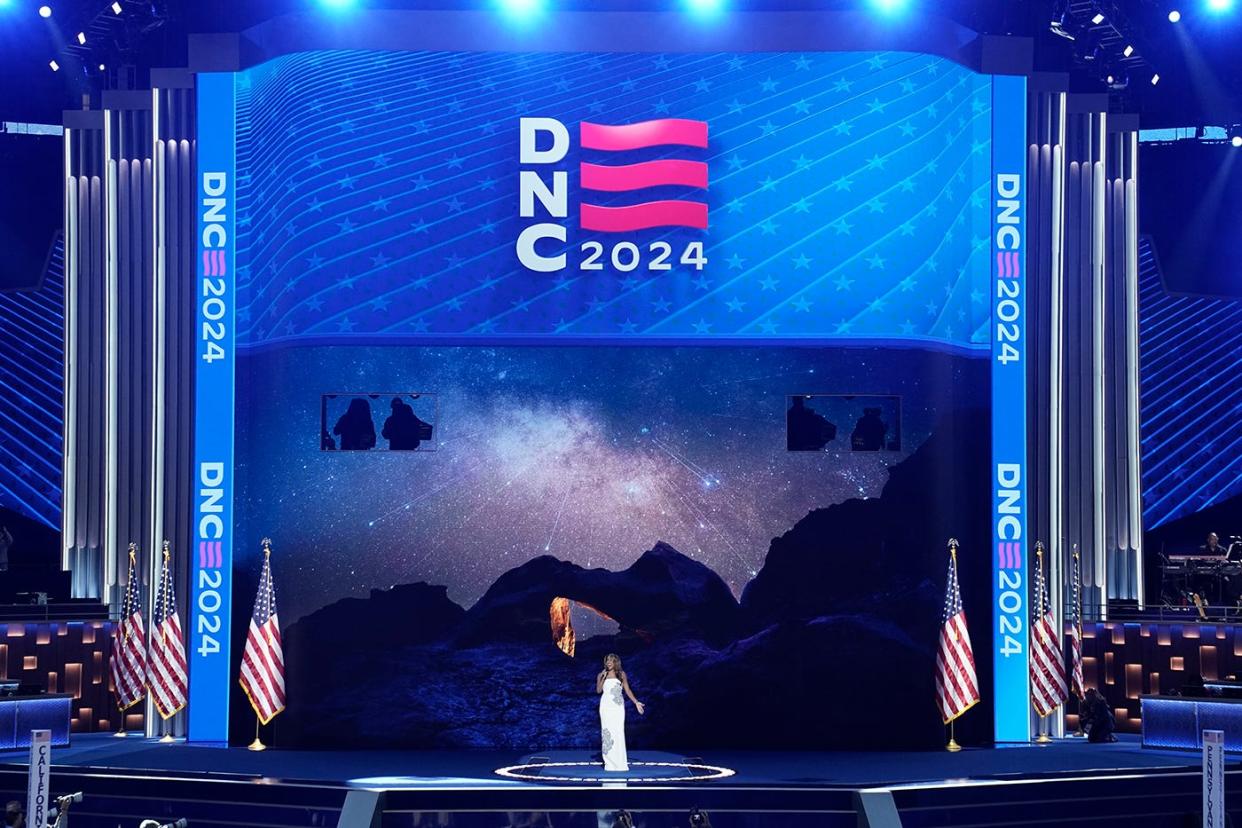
(643, 175)
(214, 263)
(1008, 264)
(210, 554)
(1009, 554)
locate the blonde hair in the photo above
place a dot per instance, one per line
(613, 657)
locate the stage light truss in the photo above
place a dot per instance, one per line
(1104, 40)
(113, 31)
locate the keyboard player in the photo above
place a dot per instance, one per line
(1212, 547)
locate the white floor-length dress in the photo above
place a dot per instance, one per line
(612, 726)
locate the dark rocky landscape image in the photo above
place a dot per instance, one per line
(831, 645)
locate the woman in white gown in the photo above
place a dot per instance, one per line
(613, 687)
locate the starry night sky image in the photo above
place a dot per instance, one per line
(590, 454)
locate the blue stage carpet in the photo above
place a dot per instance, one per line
(450, 769)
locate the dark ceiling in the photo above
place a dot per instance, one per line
(1198, 59)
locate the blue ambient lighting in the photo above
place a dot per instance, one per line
(520, 9)
(890, 6)
(705, 8)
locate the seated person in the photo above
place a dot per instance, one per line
(1097, 718)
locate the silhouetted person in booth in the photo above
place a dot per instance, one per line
(1097, 717)
(869, 431)
(805, 429)
(355, 428)
(403, 429)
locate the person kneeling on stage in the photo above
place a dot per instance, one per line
(1097, 718)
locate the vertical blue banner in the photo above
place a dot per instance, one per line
(1010, 634)
(211, 567)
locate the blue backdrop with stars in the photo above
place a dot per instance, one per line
(378, 198)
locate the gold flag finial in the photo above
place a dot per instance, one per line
(1039, 547)
(133, 551)
(166, 553)
(267, 547)
(1075, 550)
(953, 547)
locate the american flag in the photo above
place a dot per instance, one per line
(263, 662)
(128, 662)
(1075, 633)
(957, 688)
(1047, 664)
(168, 682)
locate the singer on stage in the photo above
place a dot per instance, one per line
(613, 685)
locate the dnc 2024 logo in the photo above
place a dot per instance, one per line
(544, 194)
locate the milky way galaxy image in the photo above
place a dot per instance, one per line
(589, 454)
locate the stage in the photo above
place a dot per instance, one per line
(428, 770)
(283, 787)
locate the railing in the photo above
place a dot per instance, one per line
(43, 613)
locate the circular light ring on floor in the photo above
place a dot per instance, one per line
(522, 772)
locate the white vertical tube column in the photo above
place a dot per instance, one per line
(1134, 464)
(69, 419)
(1099, 553)
(110, 362)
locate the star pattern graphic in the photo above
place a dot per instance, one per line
(852, 184)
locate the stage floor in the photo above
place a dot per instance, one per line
(423, 770)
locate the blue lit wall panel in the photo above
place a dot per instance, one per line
(1190, 365)
(1179, 723)
(31, 395)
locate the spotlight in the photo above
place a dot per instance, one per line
(518, 9)
(45, 11)
(1236, 140)
(1155, 79)
(81, 38)
(336, 5)
(1220, 5)
(704, 7)
(889, 6)
(1129, 50)
(1175, 16)
(116, 8)
(1098, 19)
(55, 66)
(1061, 25)
(103, 67)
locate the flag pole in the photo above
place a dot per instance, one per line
(165, 723)
(1043, 737)
(953, 746)
(1078, 622)
(120, 711)
(257, 744)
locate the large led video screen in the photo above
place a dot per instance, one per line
(599, 283)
